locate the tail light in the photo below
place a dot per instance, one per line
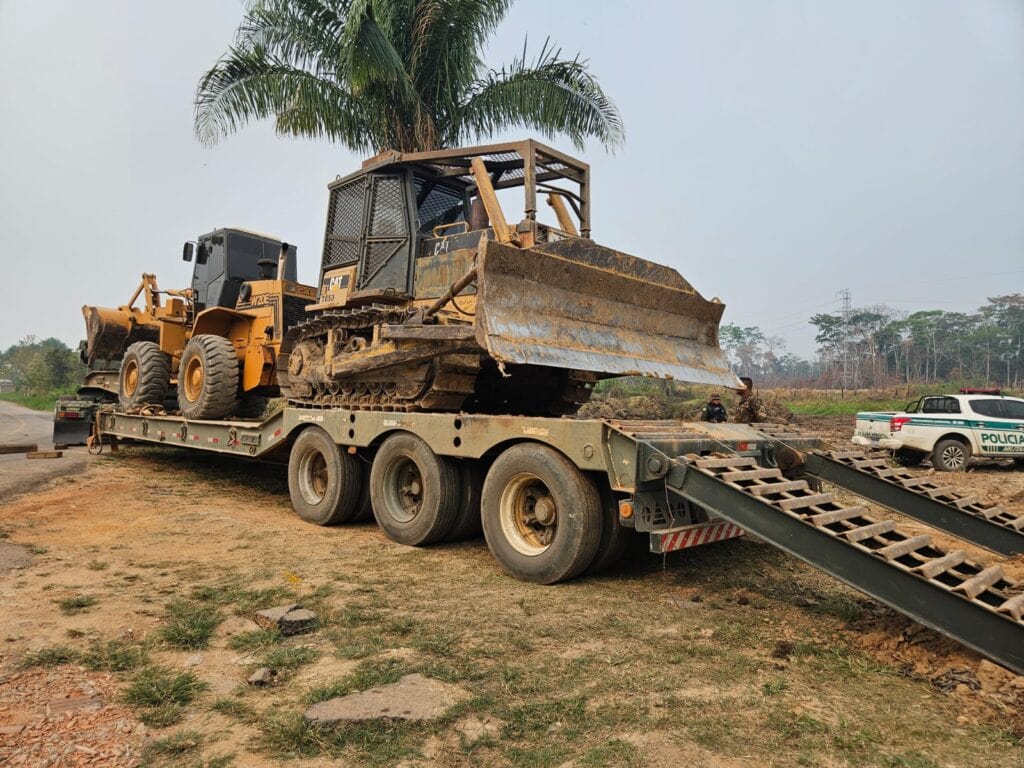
(896, 423)
(68, 415)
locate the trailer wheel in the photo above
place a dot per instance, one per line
(145, 375)
(467, 522)
(542, 517)
(415, 492)
(208, 378)
(950, 455)
(364, 508)
(324, 482)
(615, 536)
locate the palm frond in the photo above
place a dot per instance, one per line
(251, 84)
(551, 95)
(306, 33)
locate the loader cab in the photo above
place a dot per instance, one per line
(227, 258)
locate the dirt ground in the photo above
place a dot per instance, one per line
(151, 564)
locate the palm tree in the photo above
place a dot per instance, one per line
(394, 74)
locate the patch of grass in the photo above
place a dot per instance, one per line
(909, 760)
(190, 624)
(841, 606)
(289, 658)
(162, 716)
(774, 687)
(254, 640)
(366, 675)
(231, 706)
(614, 753)
(161, 694)
(442, 643)
(535, 717)
(44, 402)
(174, 744)
(114, 656)
(35, 549)
(69, 606)
(96, 565)
(377, 742)
(49, 657)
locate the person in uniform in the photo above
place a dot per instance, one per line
(750, 409)
(714, 411)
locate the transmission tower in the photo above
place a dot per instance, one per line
(846, 307)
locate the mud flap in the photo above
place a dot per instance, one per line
(578, 305)
(74, 432)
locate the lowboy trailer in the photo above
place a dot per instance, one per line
(559, 497)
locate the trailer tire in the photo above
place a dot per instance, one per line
(208, 378)
(364, 508)
(324, 482)
(467, 522)
(542, 517)
(145, 376)
(615, 536)
(951, 455)
(415, 492)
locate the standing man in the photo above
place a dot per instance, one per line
(714, 411)
(750, 409)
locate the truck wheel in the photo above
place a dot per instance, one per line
(614, 536)
(208, 378)
(950, 455)
(542, 517)
(145, 376)
(415, 492)
(324, 482)
(908, 458)
(467, 522)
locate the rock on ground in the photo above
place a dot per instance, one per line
(414, 697)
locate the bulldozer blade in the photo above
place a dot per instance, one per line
(578, 305)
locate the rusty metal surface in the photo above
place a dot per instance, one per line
(596, 310)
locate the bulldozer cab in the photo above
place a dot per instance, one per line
(227, 258)
(401, 208)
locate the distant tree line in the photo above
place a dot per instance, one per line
(38, 368)
(877, 346)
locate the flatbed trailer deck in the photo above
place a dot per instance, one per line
(557, 497)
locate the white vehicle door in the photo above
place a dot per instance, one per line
(999, 426)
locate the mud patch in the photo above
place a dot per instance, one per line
(13, 556)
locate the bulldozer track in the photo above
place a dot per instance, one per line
(980, 605)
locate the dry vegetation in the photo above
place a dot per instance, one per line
(151, 564)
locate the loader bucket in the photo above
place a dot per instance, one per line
(578, 305)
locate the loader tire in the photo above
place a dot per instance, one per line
(208, 378)
(145, 376)
(325, 483)
(542, 516)
(415, 492)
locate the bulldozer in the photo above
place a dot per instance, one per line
(429, 299)
(208, 346)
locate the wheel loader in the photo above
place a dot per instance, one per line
(430, 299)
(216, 341)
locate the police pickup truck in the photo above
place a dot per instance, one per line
(948, 429)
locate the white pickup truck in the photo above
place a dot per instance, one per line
(948, 429)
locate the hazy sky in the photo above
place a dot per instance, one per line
(776, 151)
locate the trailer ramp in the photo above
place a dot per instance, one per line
(939, 506)
(976, 605)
